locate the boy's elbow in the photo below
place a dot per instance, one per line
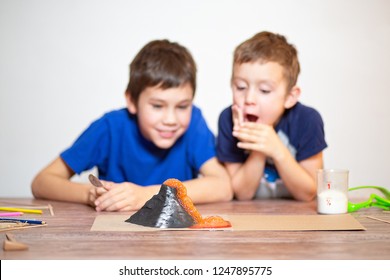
(241, 193)
(35, 189)
(307, 197)
(228, 195)
(243, 197)
(310, 197)
(226, 192)
(222, 180)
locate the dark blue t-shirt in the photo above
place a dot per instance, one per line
(301, 129)
(115, 145)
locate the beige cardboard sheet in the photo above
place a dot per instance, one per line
(248, 222)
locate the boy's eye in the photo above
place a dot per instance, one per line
(183, 107)
(240, 88)
(156, 106)
(265, 91)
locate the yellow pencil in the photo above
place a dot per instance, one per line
(11, 209)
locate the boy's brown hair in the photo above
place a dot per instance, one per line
(266, 47)
(161, 63)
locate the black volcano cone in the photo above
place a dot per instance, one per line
(163, 210)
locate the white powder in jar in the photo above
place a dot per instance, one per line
(332, 202)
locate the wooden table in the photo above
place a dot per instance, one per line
(68, 236)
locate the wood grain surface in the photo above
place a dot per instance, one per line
(68, 235)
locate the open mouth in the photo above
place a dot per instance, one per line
(251, 118)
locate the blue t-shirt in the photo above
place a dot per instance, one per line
(301, 129)
(115, 145)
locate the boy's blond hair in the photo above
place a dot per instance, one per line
(270, 47)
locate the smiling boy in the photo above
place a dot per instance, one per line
(159, 135)
(270, 143)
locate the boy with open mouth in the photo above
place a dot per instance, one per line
(270, 143)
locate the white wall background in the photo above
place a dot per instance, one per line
(64, 63)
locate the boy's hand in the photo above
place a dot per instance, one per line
(94, 193)
(238, 116)
(261, 138)
(121, 197)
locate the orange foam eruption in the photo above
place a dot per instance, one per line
(188, 205)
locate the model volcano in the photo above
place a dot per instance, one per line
(172, 208)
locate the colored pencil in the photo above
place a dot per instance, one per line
(36, 222)
(11, 209)
(10, 214)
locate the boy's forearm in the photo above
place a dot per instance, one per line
(297, 180)
(55, 188)
(212, 186)
(246, 179)
(209, 189)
